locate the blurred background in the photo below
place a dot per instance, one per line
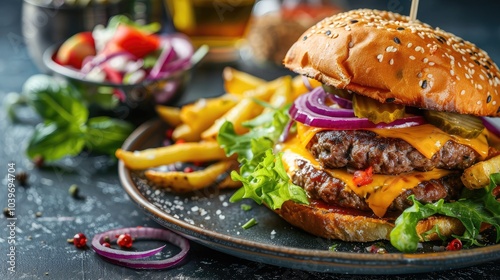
(260, 31)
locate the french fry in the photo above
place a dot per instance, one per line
(170, 115)
(283, 94)
(186, 133)
(185, 152)
(179, 181)
(478, 175)
(265, 91)
(245, 110)
(237, 82)
(201, 114)
(228, 183)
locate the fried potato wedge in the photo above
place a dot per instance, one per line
(478, 175)
(180, 182)
(237, 82)
(170, 115)
(185, 152)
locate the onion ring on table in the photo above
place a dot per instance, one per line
(137, 259)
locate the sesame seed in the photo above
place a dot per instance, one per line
(423, 84)
(354, 21)
(430, 76)
(432, 63)
(479, 102)
(400, 28)
(396, 40)
(452, 72)
(419, 75)
(390, 49)
(494, 103)
(412, 57)
(418, 48)
(425, 60)
(479, 86)
(488, 99)
(390, 99)
(391, 62)
(305, 38)
(351, 44)
(328, 32)
(481, 77)
(409, 45)
(380, 57)
(462, 92)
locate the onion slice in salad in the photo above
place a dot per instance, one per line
(137, 259)
(318, 114)
(90, 63)
(182, 52)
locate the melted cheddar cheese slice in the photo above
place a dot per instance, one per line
(382, 191)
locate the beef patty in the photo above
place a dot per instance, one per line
(321, 185)
(359, 149)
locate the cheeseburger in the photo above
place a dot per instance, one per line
(400, 115)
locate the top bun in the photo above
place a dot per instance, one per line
(388, 57)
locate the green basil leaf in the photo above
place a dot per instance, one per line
(105, 135)
(53, 141)
(55, 101)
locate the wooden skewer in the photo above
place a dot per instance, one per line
(413, 10)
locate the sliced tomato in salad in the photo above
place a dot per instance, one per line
(132, 40)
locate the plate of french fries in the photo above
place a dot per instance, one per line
(174, 169)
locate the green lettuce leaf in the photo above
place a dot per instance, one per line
(473, 209)
(262, 173)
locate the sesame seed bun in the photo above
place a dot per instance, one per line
(386, 56)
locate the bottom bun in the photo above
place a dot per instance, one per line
(332, 225)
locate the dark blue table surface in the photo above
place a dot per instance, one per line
(41, 248)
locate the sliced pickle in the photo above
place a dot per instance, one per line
(376, 112)
(465, 126)
(337, 91)
(478, 175)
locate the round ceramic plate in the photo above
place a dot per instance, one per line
(209, 218)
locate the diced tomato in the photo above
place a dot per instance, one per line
(363, 177)
(132, 40)
(454, 245)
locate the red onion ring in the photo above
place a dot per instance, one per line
(490, 126)
(316, 102)
(136, 259)
(307, 84)
(343, 102)
(303, 112)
